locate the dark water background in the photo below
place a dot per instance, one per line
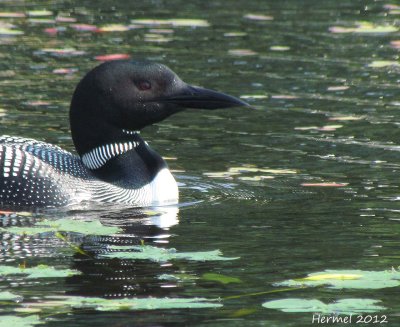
(303, 76)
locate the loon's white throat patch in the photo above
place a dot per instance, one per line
(97, 157)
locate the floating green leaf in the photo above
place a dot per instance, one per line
(10, 32)
(365, 28)
(40, 13)
(8, 296)
(258, 17)
(384, 63)
(147, 252)
(64, 225)
(279, 48)
(344, 307)
(15, 321)
(40, 271)
(149, 303)
(113, 28)
(223, 279)
(347, 279)
(242, 52)
(178, 22)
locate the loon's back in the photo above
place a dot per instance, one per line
(38, 174)
(35, 173)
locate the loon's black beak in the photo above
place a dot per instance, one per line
(200, 98)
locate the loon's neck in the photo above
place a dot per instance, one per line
(128, 162)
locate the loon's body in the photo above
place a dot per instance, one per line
(110, 105)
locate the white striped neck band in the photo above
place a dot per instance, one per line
(130, 132)
(96, 158)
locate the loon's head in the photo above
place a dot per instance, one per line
(121, 96)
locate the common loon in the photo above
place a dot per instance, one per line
(109, 107)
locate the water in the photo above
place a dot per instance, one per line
(322, 114)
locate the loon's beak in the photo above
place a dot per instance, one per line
(200, 98)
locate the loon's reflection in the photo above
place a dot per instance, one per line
(99, 276)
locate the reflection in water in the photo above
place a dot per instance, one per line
(116, 277)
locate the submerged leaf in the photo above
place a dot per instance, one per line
(341, 307)
(243, 312)
(147, 252)
(223, 279)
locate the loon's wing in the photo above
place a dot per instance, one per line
(34, 173)
(55, 156)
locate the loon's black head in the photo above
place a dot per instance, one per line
(127, 95)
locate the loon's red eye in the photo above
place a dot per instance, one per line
(143, 85)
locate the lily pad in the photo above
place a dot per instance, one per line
(258, 17)
(64, 225)
(365, 28)
(15, 321)
(346, 118)
(84, 27)
(8, 296)
(337, 88)
(152, 253)
(5, 14)
(10, 32)
(357, 279)
(177, 22)
(66, 52)
(113, 28)
(242, 52)
(341, 307)
(149, 303)
(254, 96)
(384, 63)
(279, 48)
(40, 271)
(39, 13)
(325, 184)
(115, 56)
